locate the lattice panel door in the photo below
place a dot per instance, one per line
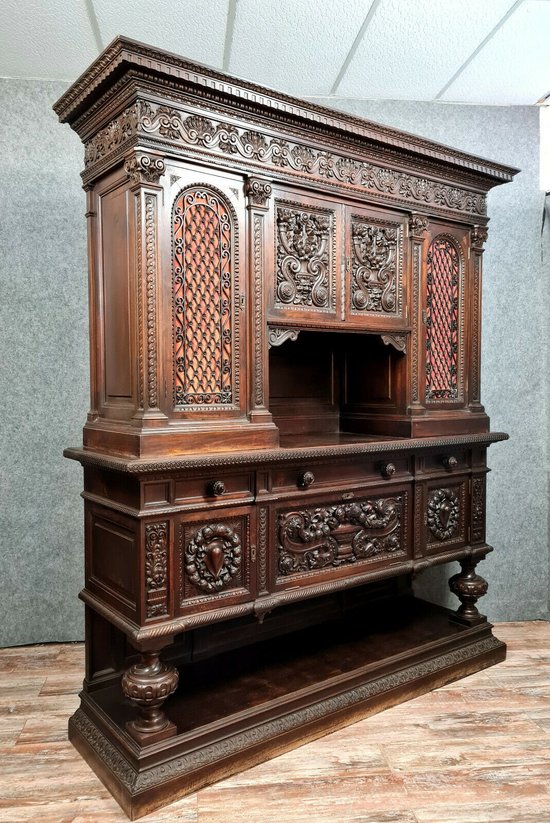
(203, 293)
(442, 320)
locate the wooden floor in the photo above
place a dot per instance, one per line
(477, 751)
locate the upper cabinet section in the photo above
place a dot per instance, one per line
(336, 264)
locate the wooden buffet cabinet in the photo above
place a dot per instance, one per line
(285, 423)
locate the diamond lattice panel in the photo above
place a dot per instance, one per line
(443, 277)
(202, 293)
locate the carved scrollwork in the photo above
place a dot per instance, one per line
(304, 258)
(398, 341)
(277, 336)
(443, 513)
(213, 557)
(258, 192)
(375, 267)
(321, 538)
(144, 168)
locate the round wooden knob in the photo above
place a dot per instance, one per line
(450, 462)
(388, 470)
(216, 488)
(306, 479)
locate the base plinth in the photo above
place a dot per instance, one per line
(245, 707)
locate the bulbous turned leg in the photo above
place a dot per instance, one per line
(468, 587)
(148, 684)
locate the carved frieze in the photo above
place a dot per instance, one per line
(156, 569)
(376, 267)
(213, 557)
(333, 536)
(443, 513)
(305, 258)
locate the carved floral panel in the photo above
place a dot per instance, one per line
(204, 290)
(156, 569)
(305, 276)
(443, 320)
(212, 557)
(376, 267)
(445, 514)
(340, 535)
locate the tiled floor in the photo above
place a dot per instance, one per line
(477, 751)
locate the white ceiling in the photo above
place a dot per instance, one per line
(468, 51)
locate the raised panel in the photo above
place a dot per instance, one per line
(376, 277)
(215, 556)
(446, 515)
(342, 535)
(111, 567)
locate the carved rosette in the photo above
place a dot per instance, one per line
(376, 266)
(156, 569)
(305, 259)
(443, 513)
(144, 168)
(213, 557)
(322, 537)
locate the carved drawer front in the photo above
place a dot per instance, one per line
(445, 463)
(213, 488)
(344, 535)
(306, 259)
(216, 559)
(446, 514)
(374, 278)
(312, 477)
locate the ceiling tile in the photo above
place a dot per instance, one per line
(514, 67)
(410, 50)
(193, 29)
(297, 47)
(52, 40)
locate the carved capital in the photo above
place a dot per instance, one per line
(478, 237)
(144, 168)
(258, 192)
(418, 223)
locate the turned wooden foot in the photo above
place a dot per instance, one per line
(148, 684)
(468, 587)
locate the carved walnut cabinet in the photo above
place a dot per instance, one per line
(285, 422)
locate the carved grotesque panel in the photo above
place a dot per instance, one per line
(204, 290)
(334, 536)
(305, 258)
(376, 267)
(156, 565)
(442, 320)
(213, 557)
(443, 514)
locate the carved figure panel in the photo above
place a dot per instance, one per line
(204, 291)
(342, 534)
(376, 267)
(211, 557)
(305, 275)
(442, 320)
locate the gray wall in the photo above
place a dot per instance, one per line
(44, 363)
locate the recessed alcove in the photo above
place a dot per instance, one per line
(333, 387)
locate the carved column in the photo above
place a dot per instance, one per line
(148, 684)
(418, 223)
(144, 171)
(468, 587)
(478, 236)
(93, 301)
(258, 196)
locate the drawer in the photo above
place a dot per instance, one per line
(312, 478)
(215, 559)
(451, 461)
(216, 487)
(341, 535)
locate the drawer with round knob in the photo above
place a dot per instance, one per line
(317, 476)
(214, 488)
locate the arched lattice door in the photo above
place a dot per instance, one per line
(442, 320)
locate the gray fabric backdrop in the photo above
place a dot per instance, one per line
(44, 362)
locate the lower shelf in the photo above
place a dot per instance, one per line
(246, 706)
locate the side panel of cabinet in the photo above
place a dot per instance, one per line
(377, 259)
(306, 286)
